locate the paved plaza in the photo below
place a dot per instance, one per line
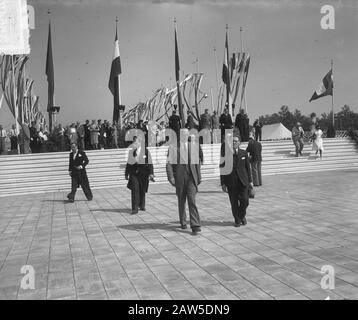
(97, 250)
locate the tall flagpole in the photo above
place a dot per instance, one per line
(212, 99)
(242, 50)
(15, 103)
(216, 72)
(228, 71)
(119, 76)
(332, 93)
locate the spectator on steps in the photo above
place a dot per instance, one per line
(258, 130)
(24, 139)
(297, 138)
(13, 138)
(94, 132)
(225, 122)
(317, 144)
(3, 135)
(254, 149)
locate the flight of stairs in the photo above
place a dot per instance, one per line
(48, 172)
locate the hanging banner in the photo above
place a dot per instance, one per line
(14, 27)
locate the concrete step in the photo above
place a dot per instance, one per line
(66, 187)
(62, 179)
(34, 173)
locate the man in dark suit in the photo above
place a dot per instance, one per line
(237, 180)
(86, 128)
(174, 123)
(77, 169)
(240, 123)
(183, 172)
(139, 170)
(190, 124)
(225, 122)
(258, 130)
(254, 148)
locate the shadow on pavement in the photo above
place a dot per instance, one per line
(62, 201)
(153, 226)
(172, 226)
(120, 210)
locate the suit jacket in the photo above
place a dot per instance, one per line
(240, 121)
(205, 121)
(225, 121)
(254, 148)
(80, 160)
(140, 171)
(174, 123)
(241, 169)
(176, 171)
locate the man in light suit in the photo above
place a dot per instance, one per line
(138, 173)
(237, 182)
(183, 172)
(77, 169)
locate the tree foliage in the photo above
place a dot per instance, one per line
(345, 119)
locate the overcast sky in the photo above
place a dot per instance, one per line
(290, 53)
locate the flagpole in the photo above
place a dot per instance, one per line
(119, 76)
(15, 104)
(212, 99)
(228, 70)
(332, 94)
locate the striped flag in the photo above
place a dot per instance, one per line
(325, 88)
(225, 71)
(246, 71)
(50, 72)
(116, 70)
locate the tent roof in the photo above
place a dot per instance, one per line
(276, 131)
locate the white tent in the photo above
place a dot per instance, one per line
(276, 131)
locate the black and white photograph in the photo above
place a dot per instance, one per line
(197, 151)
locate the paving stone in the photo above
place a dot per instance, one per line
(88, 251)
(37, 294)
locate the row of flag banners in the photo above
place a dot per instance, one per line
(240, 62)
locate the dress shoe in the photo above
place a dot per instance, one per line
(142, 209)
(237, 224)
(184, 226)
(244, 222)
(195, 230)
(134, 211)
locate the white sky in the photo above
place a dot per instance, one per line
(290, 53)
